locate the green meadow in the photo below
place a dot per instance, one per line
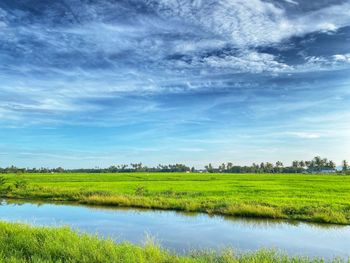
(309, 197)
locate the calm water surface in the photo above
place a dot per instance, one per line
(182, 232)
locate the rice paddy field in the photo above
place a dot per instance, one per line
(309, 197)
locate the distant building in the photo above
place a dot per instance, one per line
(323, 171)
(328, 171)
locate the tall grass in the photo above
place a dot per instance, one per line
(22, 243)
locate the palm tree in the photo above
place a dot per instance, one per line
(279, 166)
(229, 166)
(345, 166)
(318, 162)
(255, 167)
(269, 167)
(222, 167)
(295, 166)
(331, 165)
(209, 168)
(262, 167)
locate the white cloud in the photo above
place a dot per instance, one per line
(292, 2)
(136, 53)
(241, 22)
(255, 22)
(247, 61)
(323, 63)
(140, 48)
(342, 58)
(305, 135)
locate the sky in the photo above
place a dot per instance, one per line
(91, 83)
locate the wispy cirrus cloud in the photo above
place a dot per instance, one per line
(253, 23)
(184, 31)
(159, 73)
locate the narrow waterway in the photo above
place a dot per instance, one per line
(182, 232)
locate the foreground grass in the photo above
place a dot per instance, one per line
(22, 243)
(317, 198)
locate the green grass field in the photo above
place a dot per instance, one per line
(317, 198)
(21, 243)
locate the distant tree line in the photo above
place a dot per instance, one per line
(316, 165)
(124, 168)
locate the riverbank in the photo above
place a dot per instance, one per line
(23, 243)
(314, 198)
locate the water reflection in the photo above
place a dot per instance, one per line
(184, 231)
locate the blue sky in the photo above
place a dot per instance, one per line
(94, 83)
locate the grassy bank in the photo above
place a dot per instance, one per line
(22, 243)
(317, 198)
